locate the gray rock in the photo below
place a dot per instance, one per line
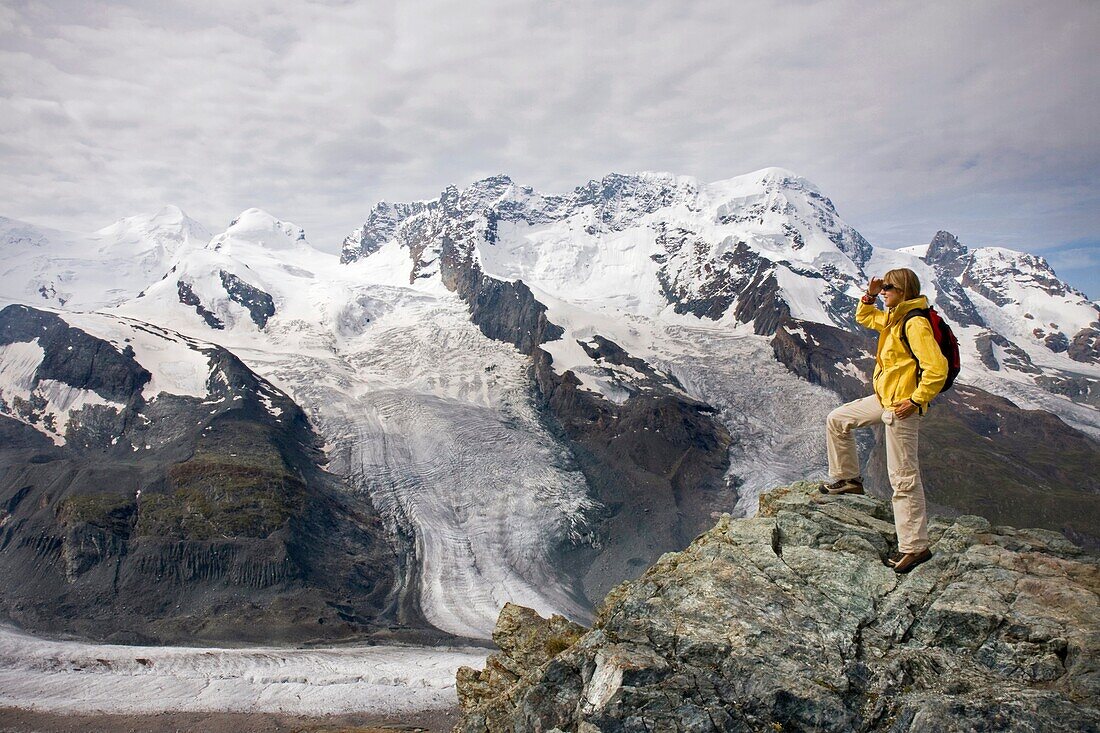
(260, 305)
(791, 621)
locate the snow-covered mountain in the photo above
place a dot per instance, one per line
(42, 266)
(539, 394)
(754, 249)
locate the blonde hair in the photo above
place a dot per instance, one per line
(904, 280)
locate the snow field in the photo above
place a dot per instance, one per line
(176, 362)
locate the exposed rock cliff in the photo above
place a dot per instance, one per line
(791, 621)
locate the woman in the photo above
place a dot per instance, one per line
(904, 386)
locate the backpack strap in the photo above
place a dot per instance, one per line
(915, 313)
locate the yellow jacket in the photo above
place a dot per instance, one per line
(895, 377)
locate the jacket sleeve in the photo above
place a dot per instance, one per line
(871, 317)
(933, 363)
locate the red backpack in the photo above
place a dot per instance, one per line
(944, 336)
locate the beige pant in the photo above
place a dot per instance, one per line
(910, 517)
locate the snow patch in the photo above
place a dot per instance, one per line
(177, 363)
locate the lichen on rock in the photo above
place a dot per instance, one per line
(791, 621)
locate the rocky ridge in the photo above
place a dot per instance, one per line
(791, 621)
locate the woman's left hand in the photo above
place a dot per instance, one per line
(904, 409)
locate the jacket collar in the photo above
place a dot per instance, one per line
(898, 312)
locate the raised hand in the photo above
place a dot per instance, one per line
(875, 286)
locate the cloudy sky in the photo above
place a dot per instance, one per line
(975, 117)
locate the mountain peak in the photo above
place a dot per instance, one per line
(945, 245)
(774, 173)
(169, 221)
(498, 180)
(258, 226)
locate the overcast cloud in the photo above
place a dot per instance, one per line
(978, 118)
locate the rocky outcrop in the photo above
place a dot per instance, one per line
(996, 352)
(842, 361)
(379, 227)
(504, 311)
(187, 296)
(947, 254)
(527, 641)
(260, 305)
(791, 621)
(1085, 346)
(695, 282)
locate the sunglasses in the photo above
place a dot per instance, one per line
(888, 287)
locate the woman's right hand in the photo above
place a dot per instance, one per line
(874, 287)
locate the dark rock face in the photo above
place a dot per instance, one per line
(604, 351)
(187, 296)
(185, 519)
(762, 305)
(504, 311)
(839, 360)
(72, 356)
(685, 262)
(260, 305)
(791, 621)
(1057, 342)
(946, 253)
(656, 462)
(1085, 346)
(694, 283)
(1012, 356)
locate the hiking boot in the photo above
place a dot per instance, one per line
(844, 486)
(910, 560)
(892, 560)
